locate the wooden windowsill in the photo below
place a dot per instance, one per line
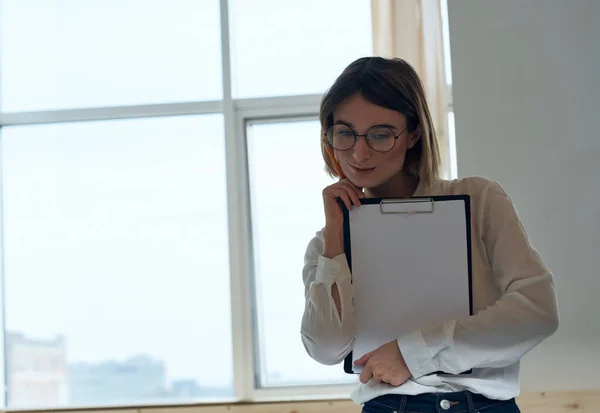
(585, 401)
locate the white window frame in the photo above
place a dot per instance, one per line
(236, 112)
(451, 133)
(272, 111)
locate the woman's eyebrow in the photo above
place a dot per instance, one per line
(387, 125)
(343, 122)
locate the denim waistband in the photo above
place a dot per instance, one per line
(458, 402)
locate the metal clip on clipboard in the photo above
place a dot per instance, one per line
(406, 206)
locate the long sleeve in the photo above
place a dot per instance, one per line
(525, 314)
(326, 337)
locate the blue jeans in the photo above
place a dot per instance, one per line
(460, 402)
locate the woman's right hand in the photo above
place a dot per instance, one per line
(350, 194)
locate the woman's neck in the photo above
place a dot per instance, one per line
(399, 186)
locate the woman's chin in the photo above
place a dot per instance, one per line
(365, 182)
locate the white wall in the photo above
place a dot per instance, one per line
(527, 106)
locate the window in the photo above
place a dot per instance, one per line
(291, 48)
(145, 181)
(73, 54)
(115, 238)
(285, 200)
(448, 75)
(128, 231)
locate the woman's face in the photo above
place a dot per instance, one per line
(363, 166)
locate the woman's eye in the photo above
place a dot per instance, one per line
(345, 133)
(380, 134)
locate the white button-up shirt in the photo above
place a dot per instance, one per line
(514, 305)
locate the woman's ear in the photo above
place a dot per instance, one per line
(414, 137)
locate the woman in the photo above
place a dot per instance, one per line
(376, 123)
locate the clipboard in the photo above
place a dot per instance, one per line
(403, 237)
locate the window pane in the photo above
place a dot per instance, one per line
(116, 262)
(287, 176)
(290, 48)
(446, 42)
(75, 53)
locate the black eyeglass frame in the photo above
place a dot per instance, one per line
(357, 135)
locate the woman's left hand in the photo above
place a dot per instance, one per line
(384, 364)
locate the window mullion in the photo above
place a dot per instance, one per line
(110, 113)
(3, 353)
(239, 233)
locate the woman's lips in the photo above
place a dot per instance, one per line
(362, 170)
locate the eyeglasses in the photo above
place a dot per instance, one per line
(379, 138)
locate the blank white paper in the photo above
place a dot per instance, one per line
(409, 270)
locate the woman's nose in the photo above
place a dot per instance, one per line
(361, 150)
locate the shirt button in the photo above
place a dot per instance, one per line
(445, 404)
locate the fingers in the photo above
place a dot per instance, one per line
(371, 373)
(341, 193)
(395, 382)
(347, 200)
(348, 193)
(363, 359)
(367, 371)
(354, 195)
(378, 373)
(355, 189)
(366, 374)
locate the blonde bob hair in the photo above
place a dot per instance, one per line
(392, 84)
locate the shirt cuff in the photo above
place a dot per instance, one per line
(329, 268)
(416, 354)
